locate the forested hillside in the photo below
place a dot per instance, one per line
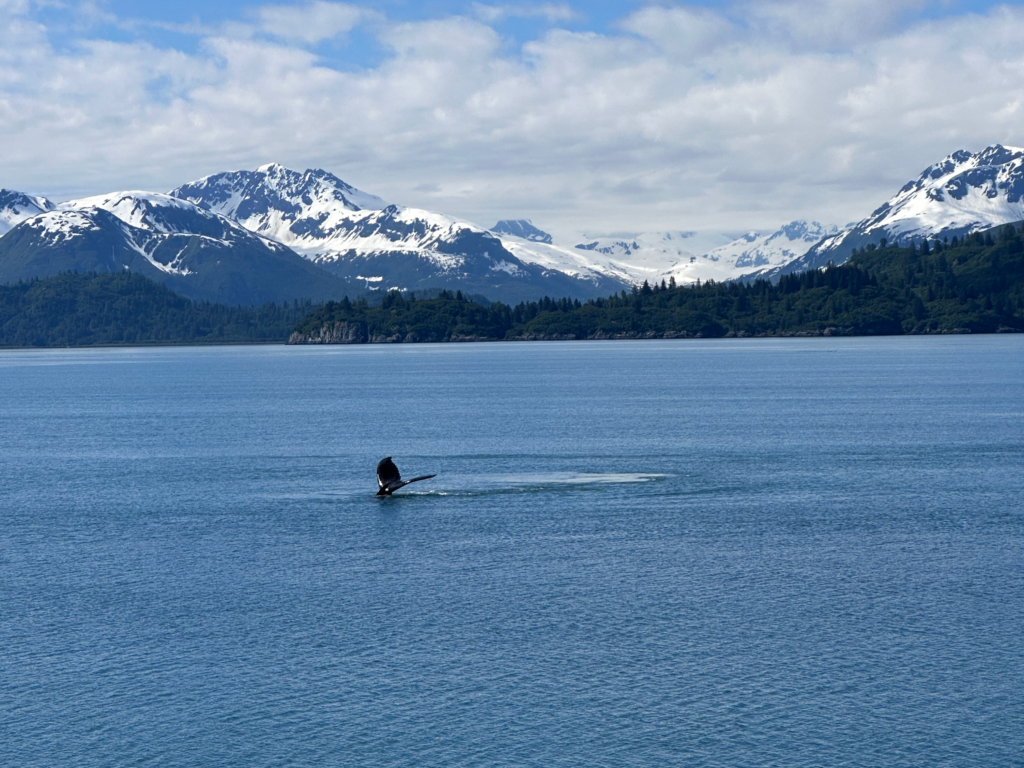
(975, 285)
(125, 308)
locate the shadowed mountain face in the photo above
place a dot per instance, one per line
(271, 234)
(275, 234)
(375, 246)
(193, 252)
(521, 228)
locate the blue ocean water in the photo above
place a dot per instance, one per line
(689, 553)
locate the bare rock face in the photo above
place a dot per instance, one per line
(339, 333)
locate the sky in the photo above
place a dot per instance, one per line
(590, 118)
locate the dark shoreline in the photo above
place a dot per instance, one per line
(471, 340)
(974, 286)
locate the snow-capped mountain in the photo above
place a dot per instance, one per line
(631, 260)
(311, 223)
(649, 256)
(297, 209)
(567, 260)
(756, 251)
(194, 252)
(15, 207)
(361, 239)
(962, 194)
(321, 217)
(521, 228)
(683, 256)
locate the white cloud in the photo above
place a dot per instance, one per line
(686, 119)
(828, 24)
(14, 7)
(550, 12)
(310, 23)
(681, 32)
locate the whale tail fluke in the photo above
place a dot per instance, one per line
(389, 479)
(401, 484)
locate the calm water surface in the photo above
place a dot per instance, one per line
(730, 553)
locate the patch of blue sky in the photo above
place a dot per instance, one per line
(162, 89)
(355, 50)
(181, 24)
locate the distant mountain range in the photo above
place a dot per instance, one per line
(655, 256)
(975, 284)
(373, 245)
(962, 194)
(271, 234)
(191, 251)
(274, 234)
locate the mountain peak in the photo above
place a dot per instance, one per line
(521, 228)
(964, 192)
(16, 207)
(263, 199)
(771, 250)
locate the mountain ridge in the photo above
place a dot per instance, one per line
(195, 253)
(313, 232)
(375, 245)
(961, 194)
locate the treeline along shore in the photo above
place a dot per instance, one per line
(973, 285)
(969, 286)
(73, 310)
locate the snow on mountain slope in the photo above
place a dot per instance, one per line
(149, 211)
(144, 210)
(321, 217)
(341, 228)
(522, 229)
(757, 251)
(371, 245)
(247, 196)
(359, 237)
(197, 253)
(684, 256)
(91, 229)
(407, 230)
(564, 259)
(15, 207)
(964, 191)
(961, 194)
(654, 256)
(324, 219)
(305, 211)
(166, 215)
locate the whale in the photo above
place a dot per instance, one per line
(389, 479)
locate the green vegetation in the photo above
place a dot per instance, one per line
(449, 317)
(976, 285)
(126, 308)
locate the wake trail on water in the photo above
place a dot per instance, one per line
(500, 485)
(478, 486)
